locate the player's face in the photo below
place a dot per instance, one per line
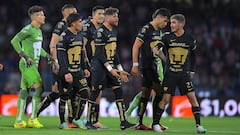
(69, 11)
(175, 25)
(99, 16)
(77, 25)
(162, 21)
(113, 19)
(39, 17)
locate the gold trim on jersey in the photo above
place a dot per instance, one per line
(61, 49)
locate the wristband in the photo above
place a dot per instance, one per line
(109, 67)
(119, 67)
(135, 64)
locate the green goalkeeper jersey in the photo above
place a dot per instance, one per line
(29, 40)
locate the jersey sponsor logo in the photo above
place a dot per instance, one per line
(39, 38)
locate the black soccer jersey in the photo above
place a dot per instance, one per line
(70, 52)
(88, 32)
(60, 27)
(150, 38)
(180, 52)
(106, 45)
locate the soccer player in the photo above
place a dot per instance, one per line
(28, 44)
(72, 67)
(148, 37)
(180, 68)
(1, 67)
(58, 29)
(137, 98)
(104, 64)
(88, 31)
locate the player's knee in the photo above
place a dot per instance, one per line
(94, 94)
(53, 96)
(118, 93)
(64, 96)
(38, 92)
(83, 93)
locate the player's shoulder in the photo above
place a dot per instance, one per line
(145, 28)
(61, 24)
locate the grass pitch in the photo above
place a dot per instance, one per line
(177, 126)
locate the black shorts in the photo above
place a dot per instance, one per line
(79, 82)
(101, 77)
(181, 80)
(149, 76)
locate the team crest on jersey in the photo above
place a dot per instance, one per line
(143, 30)
(99, 34)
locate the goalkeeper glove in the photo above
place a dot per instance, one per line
(28, 61)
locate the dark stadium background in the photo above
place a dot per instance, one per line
(214, 23)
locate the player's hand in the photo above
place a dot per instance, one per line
(86, 73)
(68, 78)
(55, 67)
(114, 72)
(124, 76)
(28, 62)
(50, 59)
(1, 67)
(135, 71)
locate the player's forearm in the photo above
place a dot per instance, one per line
(16, 44)
(135, 53)
(116, 59)
(53, 45)
(83, 60)
(102, 57)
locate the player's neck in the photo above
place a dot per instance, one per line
(154, 24)
(108, 26)
(36, 24)
(95, 23)
(74, 31)
(179, 33)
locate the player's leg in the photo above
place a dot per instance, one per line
(96, 121)
(50, 98)
(82, 96)
(21, 105)
(118, 92)
(186, 88)
(64, 90)
(34, 80)
(134, 104)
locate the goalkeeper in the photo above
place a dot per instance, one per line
(28, 44)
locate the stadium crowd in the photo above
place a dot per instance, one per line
(215, 24)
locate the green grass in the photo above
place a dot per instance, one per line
(177, 126)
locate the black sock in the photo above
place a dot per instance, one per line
(196, 113)
(47, 101)
(96, 113)
(90, 111)
(141, 109)
(156, 101)
(157, 116)
(121, 109)
(80, 108)
(61, 108)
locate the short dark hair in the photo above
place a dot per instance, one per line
(179, 17)
(111, 11)
(67, 6)
(72, 18)
(34, 9)
(161, 12)
(94, 9)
